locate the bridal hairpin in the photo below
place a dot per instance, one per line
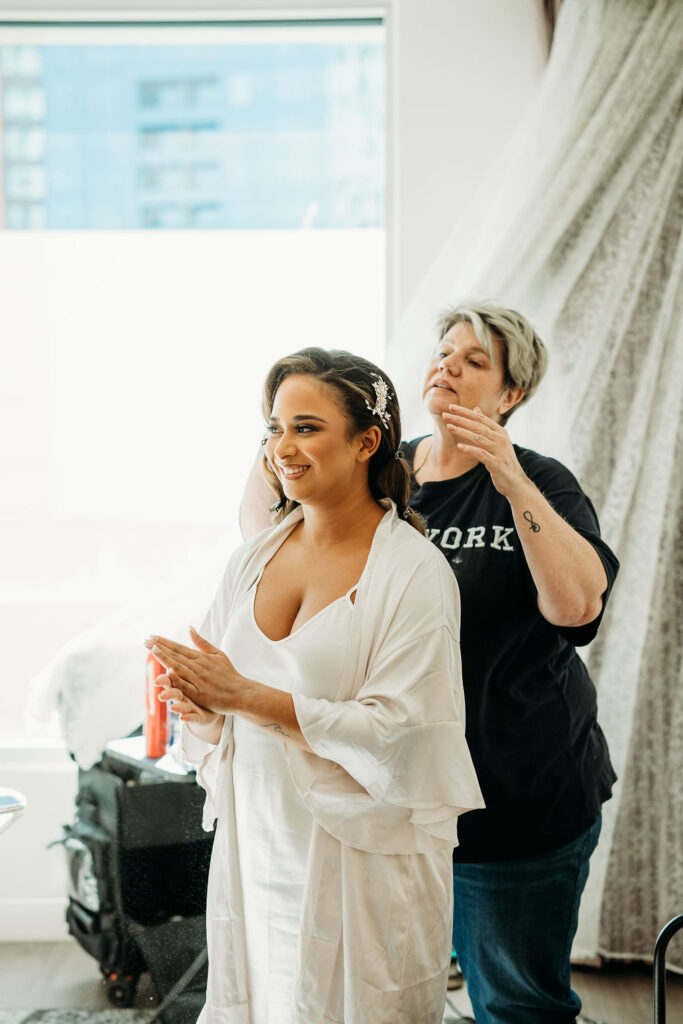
(381, 397)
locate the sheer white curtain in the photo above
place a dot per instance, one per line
(579, 226)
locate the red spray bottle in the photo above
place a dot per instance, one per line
(157, 719)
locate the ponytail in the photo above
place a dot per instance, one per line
(392, 480)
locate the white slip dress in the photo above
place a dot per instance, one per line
(273, 825)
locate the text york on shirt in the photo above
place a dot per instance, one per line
(474, 537)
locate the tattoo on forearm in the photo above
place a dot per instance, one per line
(276, 727)
(530, 520)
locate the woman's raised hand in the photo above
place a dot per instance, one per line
(486, 440)
(201, 682)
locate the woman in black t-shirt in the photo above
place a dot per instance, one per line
(523, 541)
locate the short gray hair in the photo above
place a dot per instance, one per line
(525, 357)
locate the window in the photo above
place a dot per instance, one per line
(180, 208)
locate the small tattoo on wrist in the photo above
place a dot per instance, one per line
(530, 520)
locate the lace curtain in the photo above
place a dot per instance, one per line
(579, 226)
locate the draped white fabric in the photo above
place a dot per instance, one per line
(579, 226)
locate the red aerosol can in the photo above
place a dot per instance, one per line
(157, 719)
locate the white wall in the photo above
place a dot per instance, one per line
(462, 74)
(33, 879)
(141, 9)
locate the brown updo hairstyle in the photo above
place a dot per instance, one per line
(352, 380)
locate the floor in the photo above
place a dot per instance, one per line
(61, 975)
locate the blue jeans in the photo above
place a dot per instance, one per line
(513, 927)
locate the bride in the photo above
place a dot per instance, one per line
(322, 703)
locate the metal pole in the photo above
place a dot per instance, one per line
(180, 985)
(659, 966)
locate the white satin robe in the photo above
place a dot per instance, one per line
(390, 774)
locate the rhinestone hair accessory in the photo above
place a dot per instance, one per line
(381, 396)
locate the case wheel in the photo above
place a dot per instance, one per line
(120, 988)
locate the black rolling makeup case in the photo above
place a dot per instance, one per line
(138, 862)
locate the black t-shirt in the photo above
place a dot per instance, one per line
(541, 757)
